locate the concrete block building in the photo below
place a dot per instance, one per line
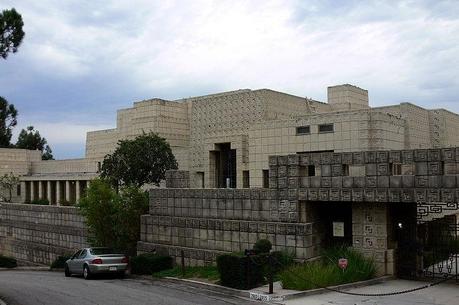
(225, 139)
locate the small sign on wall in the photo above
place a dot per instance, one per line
(338, 229)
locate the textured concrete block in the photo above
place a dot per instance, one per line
(359, 182)
(313, 195)
(326, 158)
(370, 169)
(407, 156)
(434, 155)
(371, 181)
(382, 156)
(407, 195)
(305, 159)
(358, 158)
(435, 181)
(302, 194)
(395, 156)
(420, 155)
(293, 171)
(336, 158)
(408, 181)
(395, 181)
(383, 181)
(337, 170)
(324, 194)
(420, 195)
(381, 195)
(325, 170)
(273, 182)
(433, 195)
(448, 155)
(370, 157)
(282, 171)
(326, 181)
(315, 158)
(293, 182)
(282, 160)
(369, 195)
(357, 195)
(293, 159)
(337, 182)
(315, 181)
(348, 182)
(449, 181)
(394, 195)
(383, 169)
(282, 182)
(305, 182)
(435, 168)
(346, 158)
(421, 181)
(272, 160)
(448, 196)
(335, 194)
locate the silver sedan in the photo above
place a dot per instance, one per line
(89, 261)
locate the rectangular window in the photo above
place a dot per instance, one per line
(302, 130)
(245, 179)
(200, 179)
(18, 190)
(323, 128)
(311, 170)
(266, 178)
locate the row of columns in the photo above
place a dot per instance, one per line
(55, 191)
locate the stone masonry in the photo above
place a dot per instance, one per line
(39, 234)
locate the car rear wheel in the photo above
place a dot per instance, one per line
(86, 272)
(67, 271)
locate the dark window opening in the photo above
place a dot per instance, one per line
(266, 178)
(245, 179)
(311, 170)
(302, 130)
(18, 190)
(326, 128)
(99, 166)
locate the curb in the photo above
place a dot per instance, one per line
(338, 287)
(26, 268)
(274, 298)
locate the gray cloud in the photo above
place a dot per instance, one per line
(82, 60)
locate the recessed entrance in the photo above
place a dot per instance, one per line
(223, 161)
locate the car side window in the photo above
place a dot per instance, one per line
(76, 255)
(83, 253)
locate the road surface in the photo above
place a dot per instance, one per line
(52, 288)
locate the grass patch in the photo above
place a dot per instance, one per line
(325, 272)
(203, 272)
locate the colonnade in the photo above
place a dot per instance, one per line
(57, 192)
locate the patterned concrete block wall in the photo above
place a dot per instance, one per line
(39, 234)
(206, 222)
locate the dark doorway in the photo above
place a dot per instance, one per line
(335, 223)
(225, 165)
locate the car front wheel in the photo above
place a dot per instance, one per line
(67, 271)
(86, 273)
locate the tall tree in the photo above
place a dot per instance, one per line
(143, 160)
(7, 183)
(11, 33)
(31, 139)
(8, 120)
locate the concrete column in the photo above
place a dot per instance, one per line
(40, 190)
(49, 193)
(32, 191)
(23, 191)
(67, 190)
(77, 191)
(58, 192)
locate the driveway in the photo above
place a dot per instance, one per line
(52, 288)
(442, 294)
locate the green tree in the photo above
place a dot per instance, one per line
(8, 120)
(113, 219)
(7, 183)
(11, 33)
(143, 160)
(31, 139)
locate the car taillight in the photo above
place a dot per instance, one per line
(125, 260)
(97, 261)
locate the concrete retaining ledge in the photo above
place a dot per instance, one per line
(258, 294)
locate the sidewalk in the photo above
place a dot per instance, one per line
(442, 294)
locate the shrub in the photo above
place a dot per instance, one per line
(262, 246)
(149, 263)
(59, 262)
(281, 260)
(204, 272)
(7, 262)
(239, 271)
(326, 272)
(65, 203)
(41, 201)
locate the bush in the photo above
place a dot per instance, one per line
(326, 272)
(239, 271)
(65, 203)
(41, 201)
(59, 262)
(7, 262)
(262, 246)
(281, 260)
(149, 263)
(204, 272)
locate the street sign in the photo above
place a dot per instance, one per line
(342, 263)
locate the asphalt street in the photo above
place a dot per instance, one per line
(52, 288)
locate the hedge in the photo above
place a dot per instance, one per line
(59, 262)
(7, 262)
(239, 272)
(149, 263)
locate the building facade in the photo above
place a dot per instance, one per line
(225, 139)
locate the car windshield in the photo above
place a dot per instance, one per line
(101, 251)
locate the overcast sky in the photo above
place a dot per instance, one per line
(80, 61)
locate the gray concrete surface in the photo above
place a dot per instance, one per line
(52, 288)
(442, 294)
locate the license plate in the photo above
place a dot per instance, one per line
(112, 268)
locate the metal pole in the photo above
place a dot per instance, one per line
(182, 253)
(270, 275)
(248, 271)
